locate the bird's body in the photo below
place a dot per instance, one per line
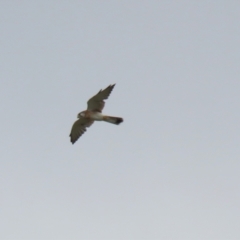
(93, 113)
(96, 116)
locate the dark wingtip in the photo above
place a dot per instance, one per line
(71, 140)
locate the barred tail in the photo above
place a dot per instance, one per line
(114, 120)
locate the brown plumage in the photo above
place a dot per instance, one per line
(93, 113)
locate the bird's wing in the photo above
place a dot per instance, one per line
(78, 128)
(96, 103)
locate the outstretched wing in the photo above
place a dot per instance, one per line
(78, 129)
(96, 103)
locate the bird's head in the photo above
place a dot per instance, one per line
(81, 114)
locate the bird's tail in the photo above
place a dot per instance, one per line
(114, 120)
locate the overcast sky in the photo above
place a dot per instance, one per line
(171, 170)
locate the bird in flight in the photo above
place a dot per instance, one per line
(93, 113)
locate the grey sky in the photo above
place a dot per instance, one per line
(171, 170)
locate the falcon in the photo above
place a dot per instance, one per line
(93, 113)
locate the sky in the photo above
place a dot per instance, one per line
(171, 170)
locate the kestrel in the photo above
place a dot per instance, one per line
(93, 113)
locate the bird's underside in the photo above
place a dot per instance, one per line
(93, 113)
